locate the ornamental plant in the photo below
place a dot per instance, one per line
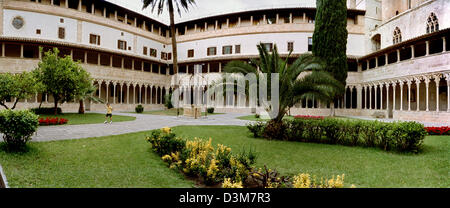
(52, 121)
(17, 128)
(443, 130)
(139, 109)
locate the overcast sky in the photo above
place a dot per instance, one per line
(204, 8)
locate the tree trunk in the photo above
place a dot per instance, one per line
(174, 38)
(56, 104)
(81, 108)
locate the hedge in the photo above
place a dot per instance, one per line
(397, 136)
(41, 111)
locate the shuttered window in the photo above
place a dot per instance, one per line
(61, 33)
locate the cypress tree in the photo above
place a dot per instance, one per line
(330, 36)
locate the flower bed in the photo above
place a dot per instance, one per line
(398, 136)
(443, 130)
(52, 121)
(220, 167)
(308, 117)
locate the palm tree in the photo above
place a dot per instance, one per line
(293, 87)
(87, 94)
(160, 6)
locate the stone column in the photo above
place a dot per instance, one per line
(290, 18)
(208, 68)
(128, 93)
(417, 97)
(3, 51)
(427, 82)
(114, 92)
(412, 52)
(409, 95)
(370, 97)
(100, 82)
(121, 93)
(107, 91)
(386, 59)
(437, 79)
(393, 94)
(151, 94)
(401, 95)
(85, 57)
(140, 94)
(359, 95)
(387, 97)
(21, 50)
(145, 87)
(381, 96)
(427, 48)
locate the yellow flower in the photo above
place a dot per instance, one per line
(302, 181)
(227, 183)
(166, 130)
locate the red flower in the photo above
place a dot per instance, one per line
(443, 130)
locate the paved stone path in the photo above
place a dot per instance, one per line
(143, 122)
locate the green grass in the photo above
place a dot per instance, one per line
(127, 161)
(171, 112)
(114, 161)
(88, 118)
(364, 167)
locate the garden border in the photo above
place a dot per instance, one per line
(3, 181)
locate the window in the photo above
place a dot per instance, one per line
(237, 49)
(287, 20)
(94, 39)
(61, 33)
(38, 31)
(397, 37)
(144, 50)
(163, 55)
(190, 53)
(290, 46)
(169, 56)
(61, 20)
(310, 42)
(122, 45)
(432, 23)
(212, 51)
(268, 46)
(153, 52)
(227, 50)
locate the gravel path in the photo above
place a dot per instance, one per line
(143, 122)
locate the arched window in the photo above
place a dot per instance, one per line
(397, 38)
(432, 23)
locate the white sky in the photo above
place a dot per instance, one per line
(204, 8)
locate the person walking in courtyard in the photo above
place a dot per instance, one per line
(109, 110)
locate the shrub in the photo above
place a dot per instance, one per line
(41, 111)
(308, 117)
(275, 130)
(164, 142)
(398, 136)
(257, 116)
(256, 128)
(210, 110)
(168, 101)
(139, 109)
(52, 121)
(17, 128)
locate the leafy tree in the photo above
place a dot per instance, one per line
(63, 78)
(314, 83)
(17, 86)
(159, 4)
(330, 38)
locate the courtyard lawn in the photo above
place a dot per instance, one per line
(364, 167)
(127, 161)
(88, 118)
(171, 112)
(113, 161)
